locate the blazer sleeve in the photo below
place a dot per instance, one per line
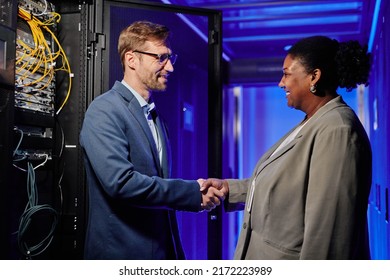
(106, 141)
(236, 198)
(333, 194)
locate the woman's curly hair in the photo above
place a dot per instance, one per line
(353, 65)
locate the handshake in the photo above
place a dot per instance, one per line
(214, 191)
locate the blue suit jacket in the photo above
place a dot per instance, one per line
(131, 202)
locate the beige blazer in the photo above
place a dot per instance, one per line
(309, 200)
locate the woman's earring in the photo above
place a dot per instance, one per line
(313, 88)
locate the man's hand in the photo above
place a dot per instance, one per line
(214, 191)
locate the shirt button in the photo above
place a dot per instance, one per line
(244, 226)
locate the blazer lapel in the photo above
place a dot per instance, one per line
(280, 153)
(137, 111)
(267, 159)
(166, 152)
(146, 129)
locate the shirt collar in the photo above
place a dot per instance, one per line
(141, 100)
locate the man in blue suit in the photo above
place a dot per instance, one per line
(132, 202)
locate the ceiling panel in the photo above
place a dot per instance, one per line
(256, 30)
(265, 28)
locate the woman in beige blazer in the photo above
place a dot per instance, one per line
(308, 195)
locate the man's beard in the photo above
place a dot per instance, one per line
(154, 84)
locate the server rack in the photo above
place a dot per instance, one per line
(41, 219)
(7, 77)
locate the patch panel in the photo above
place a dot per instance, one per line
(35, 131)
(38, 108)
(34, 81)
(24, 37)
(36, 8)
(38, 98)
(35, 58)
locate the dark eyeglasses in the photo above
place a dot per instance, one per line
(162, 58)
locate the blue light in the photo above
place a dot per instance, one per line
(268, 13)
(374, 24)
(332, 34)
(314, 8)
(301, 22)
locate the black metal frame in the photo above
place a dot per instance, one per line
(99, 70)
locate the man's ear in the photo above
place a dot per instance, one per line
(130, 59)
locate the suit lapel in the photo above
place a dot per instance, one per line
(277, 155)
(146, 129)
(266, 159)
(166, 152)
(136, 110)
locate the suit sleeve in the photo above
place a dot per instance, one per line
(238, 190)
(332, 192)
(104, 138)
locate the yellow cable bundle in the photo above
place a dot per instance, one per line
(41, 56)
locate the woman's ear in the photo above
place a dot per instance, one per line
(316, 74)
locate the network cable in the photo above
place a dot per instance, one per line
(41, 58)
(31, 210)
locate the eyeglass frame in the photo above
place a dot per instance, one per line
(169, 56)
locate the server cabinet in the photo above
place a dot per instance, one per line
(36, 90)
(7, 77)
